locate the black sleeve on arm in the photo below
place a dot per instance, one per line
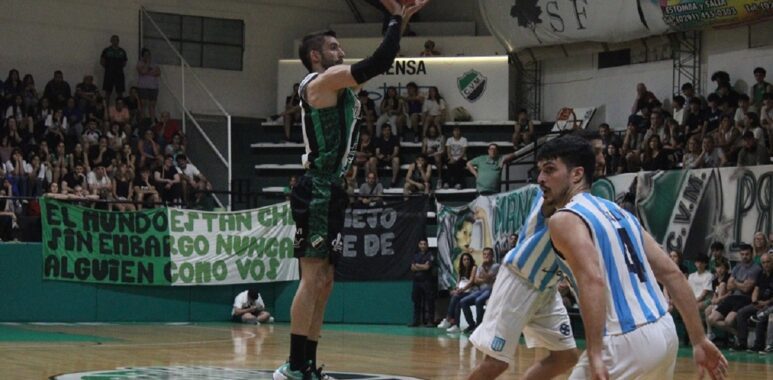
(384, 55)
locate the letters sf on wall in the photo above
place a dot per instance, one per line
(479, 84)
(520, 24)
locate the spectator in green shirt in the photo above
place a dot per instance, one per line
(487, 170)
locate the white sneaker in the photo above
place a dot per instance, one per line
(270, 319)
(444, 324)
(453, 329)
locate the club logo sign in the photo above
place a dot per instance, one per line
(210, 373)
(472, 85)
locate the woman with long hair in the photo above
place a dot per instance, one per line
(122, 188)
(434, 109)
(653, 157)
(418, 177)
(414, 104)
(12, 86)
(464, 284)
(30, 94)
(392, 111)
(760, 246)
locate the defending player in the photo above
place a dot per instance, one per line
(615, 266)
(525, 300)
(329, 110)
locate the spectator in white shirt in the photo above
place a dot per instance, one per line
(248, 307)
(194, 183)
(700, 282)
(680, 112)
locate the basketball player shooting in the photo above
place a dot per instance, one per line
(329, 108)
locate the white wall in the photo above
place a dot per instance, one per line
(577, 82)
(479, 46)
(40, 36)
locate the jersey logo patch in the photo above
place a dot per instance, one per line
(498, 344)
(317, 241)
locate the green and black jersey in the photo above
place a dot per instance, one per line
(329, 133)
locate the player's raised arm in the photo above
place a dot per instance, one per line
(342, 76)
(706, 355)
(572, 239)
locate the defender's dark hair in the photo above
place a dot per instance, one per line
(574, 151)
(312, 42)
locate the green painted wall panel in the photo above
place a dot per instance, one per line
(27, 298)
(378, 302)
(142, 304)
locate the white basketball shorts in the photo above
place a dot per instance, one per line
(647, 353)
(517, 307)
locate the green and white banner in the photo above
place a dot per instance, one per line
(684, 210)
(167, 246)
(487, 221)
(216, 248)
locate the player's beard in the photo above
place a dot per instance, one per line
(330, 62)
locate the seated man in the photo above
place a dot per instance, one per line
(740, 286)
(762, 300)
(388, 152)
(371, 191)
(194, 184)
(249, 308)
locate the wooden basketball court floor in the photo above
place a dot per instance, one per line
(40, 351)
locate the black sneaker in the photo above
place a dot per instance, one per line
(469, 330)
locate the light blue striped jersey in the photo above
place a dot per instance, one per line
(533, 257)
(633, 295)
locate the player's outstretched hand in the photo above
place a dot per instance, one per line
(709, 360)
(404, 8)
(411, 9)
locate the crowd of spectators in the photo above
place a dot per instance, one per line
(726, 128)
(92, 144)
(734, 297)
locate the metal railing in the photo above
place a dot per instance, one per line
(208, 146)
